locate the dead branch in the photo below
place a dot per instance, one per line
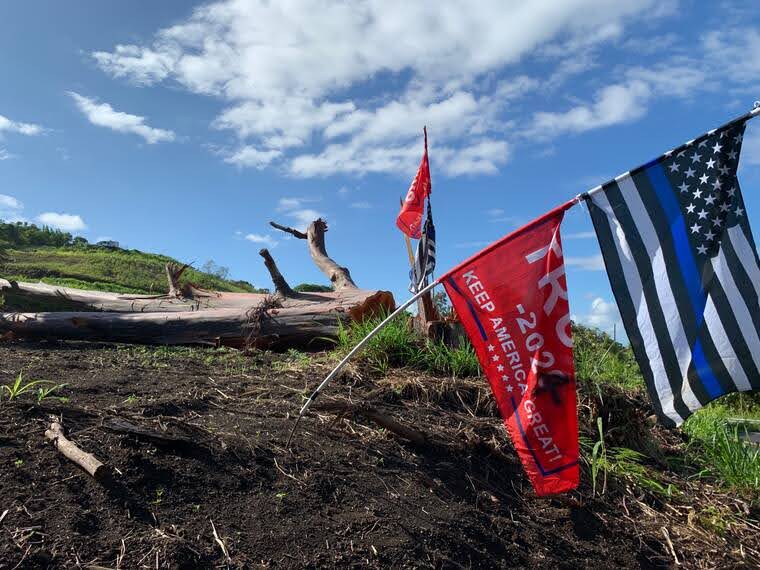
(339, 276)
(384, 421)
(280, 285)
(68, 449)
(292, 231)
(173, 273)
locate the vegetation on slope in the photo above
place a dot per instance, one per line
(30, 253)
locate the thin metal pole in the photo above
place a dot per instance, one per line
(353, 351)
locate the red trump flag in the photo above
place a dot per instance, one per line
(512, 301)
(409, 218)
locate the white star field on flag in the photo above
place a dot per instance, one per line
(705, 177)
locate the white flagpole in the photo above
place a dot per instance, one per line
(353, 351)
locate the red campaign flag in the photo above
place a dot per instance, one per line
(512, 301)
(409, 218)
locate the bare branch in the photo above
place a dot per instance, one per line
(173, 273)
(291, 231)
(339, 276)
(280, 285)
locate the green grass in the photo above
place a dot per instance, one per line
(121, 271)
(600, 359)
(397, 345)
(19, 387)
(715, 441)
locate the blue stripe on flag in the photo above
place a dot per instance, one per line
(688, 266)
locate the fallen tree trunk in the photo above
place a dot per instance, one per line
(190, 315)
(300, 322)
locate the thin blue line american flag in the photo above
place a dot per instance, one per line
(685, 273)
(424, 260)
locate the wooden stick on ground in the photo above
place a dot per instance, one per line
(86, 461)
(383, 420)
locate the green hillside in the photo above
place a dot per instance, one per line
(30, 253)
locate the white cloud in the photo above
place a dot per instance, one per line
(347, 158)
(10, 209)
(736, 53)
(613, 104)
(10, 203)
(5, 155)
(483, 157)
(677, 77)
(363, 205)
(304, 217)
(588, 263)
(251, 157)
(295, 208)
(103, 115)
(604, 316)
(289, 74)
(64, 222)
(289, 204)
(262, 239)
(29, 129)
(143, 66)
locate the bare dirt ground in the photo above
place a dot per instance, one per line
(206, 454)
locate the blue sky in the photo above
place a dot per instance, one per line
(184, 128)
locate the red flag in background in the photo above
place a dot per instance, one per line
(512, 301)
(409, 218)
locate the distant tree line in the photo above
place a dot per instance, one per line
(21, 234)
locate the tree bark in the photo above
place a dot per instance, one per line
(173, 273)
(86, 461)
(44, 297)
(339, 276)
(303, 322)
(280, 285)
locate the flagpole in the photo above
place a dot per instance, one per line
(408, 242)
(745, 117)
(353, 351)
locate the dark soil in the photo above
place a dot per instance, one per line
(204, 449)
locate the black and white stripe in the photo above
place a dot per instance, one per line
(424, 260)
(688, 298)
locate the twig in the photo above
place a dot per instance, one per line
(409, 433)
(291, 231)
(670, 545)
(221, 544)
(68, 449)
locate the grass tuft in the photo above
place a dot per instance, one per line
(398, 346)
(717, 442)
